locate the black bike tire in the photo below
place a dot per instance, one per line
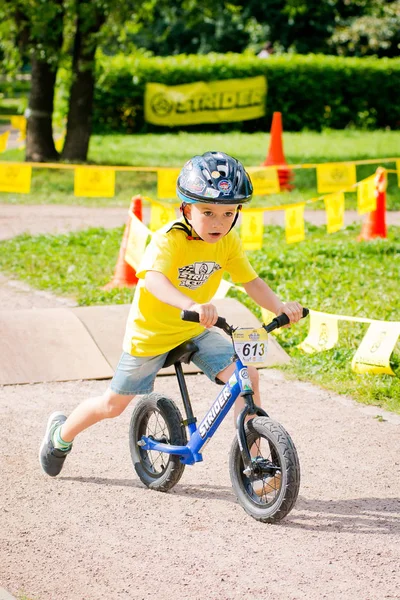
(173, 418)
(282, 443)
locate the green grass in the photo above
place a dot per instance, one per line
(332, 273)
(76, 265)
(173, 149)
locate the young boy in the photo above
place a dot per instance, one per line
(181, 270)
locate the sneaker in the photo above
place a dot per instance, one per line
(52, 459)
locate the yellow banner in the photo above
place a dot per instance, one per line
(166, 183)
(94, 182)
(265, 180)
(3, 141)
(205, 102)
(138, 237)
(335, 177)
(366, 195)
(323, 333)
(252, 229)
(373, 354)
(15, 178)
(294, 224)
(160, 215)
(334, 206)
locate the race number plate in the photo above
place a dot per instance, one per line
(251, 346)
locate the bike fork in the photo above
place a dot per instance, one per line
(249, 409)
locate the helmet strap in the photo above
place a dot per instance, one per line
(190, 237)
(239, 208)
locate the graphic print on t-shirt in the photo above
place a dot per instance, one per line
(193, 276)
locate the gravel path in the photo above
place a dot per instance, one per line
(96, 533)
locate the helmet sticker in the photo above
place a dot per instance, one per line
(195, 185)
(216, 174)
(225, 186)
(211, 193)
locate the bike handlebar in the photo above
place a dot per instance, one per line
(280, 321)
(194, 317)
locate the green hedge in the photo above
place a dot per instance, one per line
(312, 92)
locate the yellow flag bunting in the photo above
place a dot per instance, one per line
(294, 223)
(335, 177)
(3, 141)
(94, 182)
(374, 352)
(265, 180)
(252, 229)
(366, 196)
(323, 333)
(334, 206)
(15, 178)
(100, 182)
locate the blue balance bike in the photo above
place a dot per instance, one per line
(264, 466)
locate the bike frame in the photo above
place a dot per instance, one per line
(238, 384)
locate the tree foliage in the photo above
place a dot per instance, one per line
(356, 28)
(46, 34)
(377, 31)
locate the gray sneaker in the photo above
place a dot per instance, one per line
(52, 459)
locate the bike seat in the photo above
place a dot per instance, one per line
(182, 353)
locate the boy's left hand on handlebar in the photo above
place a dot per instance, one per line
(293, 310)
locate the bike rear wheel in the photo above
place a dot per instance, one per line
(271, 494)
(157, 417)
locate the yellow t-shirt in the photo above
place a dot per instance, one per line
(195, 268)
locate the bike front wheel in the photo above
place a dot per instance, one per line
(159, 418)
(270, 492)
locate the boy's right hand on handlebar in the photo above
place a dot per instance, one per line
(207, 313)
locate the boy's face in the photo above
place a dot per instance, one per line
(210, 221)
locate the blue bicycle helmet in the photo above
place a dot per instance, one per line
(214, 178)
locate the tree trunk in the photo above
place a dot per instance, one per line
(39, 141)
(79, 123)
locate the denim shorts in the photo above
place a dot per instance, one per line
(136, 374)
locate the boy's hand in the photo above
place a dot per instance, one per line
(293, 310)
(207, 312)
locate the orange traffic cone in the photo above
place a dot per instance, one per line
(125, 275)
(275, 153)
(375, 222)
